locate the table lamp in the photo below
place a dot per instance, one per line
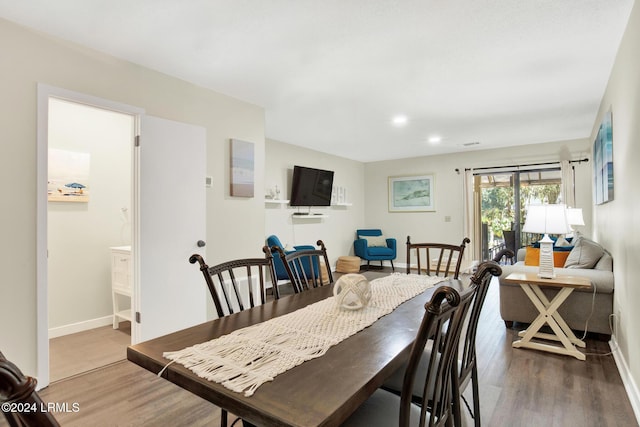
(574, 217)
(546, 219)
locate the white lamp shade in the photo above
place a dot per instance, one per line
(546, 219)
(574, 216)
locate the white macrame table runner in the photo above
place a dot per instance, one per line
(247, 358)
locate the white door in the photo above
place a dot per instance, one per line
(169, 293)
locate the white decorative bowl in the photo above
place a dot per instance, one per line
(352, 291)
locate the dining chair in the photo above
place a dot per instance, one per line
(436, 259)
(510, 239)
(238, 285)
(507, 254)
(20, 390)
(384, 408)
(467, 367)
(304, 266)
(466, 370)
(281, 272)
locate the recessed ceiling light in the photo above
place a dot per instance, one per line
(400, 120)
(435, 139)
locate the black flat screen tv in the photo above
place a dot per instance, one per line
(311, 187)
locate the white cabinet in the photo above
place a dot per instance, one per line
(121, 283)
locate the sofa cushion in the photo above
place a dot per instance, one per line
(559, 243)
(562, 243)
(560, 258)
(585, 254)
(605, 263)
(532, 257)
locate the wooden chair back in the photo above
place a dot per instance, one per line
(436, 259)
(304, 267)
(442, 323)
(507, 254)
(467, 368)
(20, 390)
(238, 284)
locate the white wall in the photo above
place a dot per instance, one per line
(235, 227)
(431, 226)
(80, 234)
(616, 223)
(338, 230)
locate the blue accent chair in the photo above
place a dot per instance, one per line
(363, 248)
(281, 271)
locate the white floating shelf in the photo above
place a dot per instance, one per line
(276, 201)
(310, 216)
(342, 204)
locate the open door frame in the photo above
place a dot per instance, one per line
(42, 310)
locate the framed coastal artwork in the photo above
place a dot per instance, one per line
(242, 168)
(68, 179)
(411, 193)
(603, 162)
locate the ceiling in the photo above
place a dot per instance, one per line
(332, 74)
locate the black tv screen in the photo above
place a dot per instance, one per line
(311, 187)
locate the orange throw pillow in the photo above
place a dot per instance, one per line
(532, 257)
(559, 258)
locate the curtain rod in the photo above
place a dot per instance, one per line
(530, 164)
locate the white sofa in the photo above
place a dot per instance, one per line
(588, 309)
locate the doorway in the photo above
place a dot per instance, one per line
(169, 168)
(89, 192)
(67, 217)
(503, 197)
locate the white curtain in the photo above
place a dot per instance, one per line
(567, 191)
(473, 251)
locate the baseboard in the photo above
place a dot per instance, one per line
(80, 326)
(629, 384)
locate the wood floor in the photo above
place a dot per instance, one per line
(100, 347)
(518, 387)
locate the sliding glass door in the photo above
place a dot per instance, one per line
(503, 197)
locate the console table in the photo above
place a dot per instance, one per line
(562, 334)
(121, 283)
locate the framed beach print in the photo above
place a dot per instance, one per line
(68, 179)
(242, 168)
(603, 162)
(411, 193)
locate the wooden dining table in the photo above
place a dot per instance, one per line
(319, 392)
